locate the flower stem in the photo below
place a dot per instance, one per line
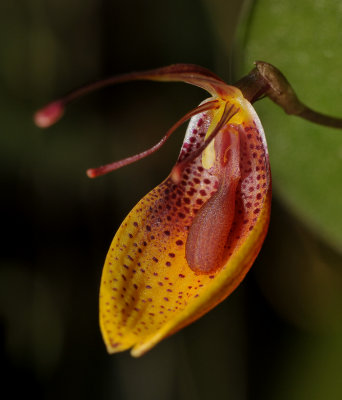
(267, 80)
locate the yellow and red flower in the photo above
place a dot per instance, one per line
(190, 241)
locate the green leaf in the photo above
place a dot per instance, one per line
(303, 39)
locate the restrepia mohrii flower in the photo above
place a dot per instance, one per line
(190, 241)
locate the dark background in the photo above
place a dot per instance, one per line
(274, 338)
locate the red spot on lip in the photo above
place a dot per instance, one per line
(179, 242)
(181, 276)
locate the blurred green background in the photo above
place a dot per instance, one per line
(279, 335)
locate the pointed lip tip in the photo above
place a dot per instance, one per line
(137, 352)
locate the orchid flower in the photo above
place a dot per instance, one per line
(191, 240)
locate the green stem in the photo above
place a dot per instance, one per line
(267, 80)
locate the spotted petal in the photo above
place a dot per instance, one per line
(156, 278)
